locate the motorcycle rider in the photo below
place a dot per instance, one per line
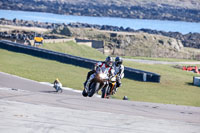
(57, 85)
(119, 71)
(106, 65)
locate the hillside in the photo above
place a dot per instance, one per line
(75, 49)
(124, 43)
(183, 10)
(138, 44)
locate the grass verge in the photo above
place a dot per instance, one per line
(161, 59)
(75, 49)
(41, 70)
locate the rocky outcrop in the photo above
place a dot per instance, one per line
(130, 42)
(168, 10)
(26, 23)
(143, 44)
(188, 40)
(62, 30)
(24, 36)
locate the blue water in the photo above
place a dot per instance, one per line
(174, 26)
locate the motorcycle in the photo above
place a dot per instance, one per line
(100, 81)
(110, 89)
(58, 87)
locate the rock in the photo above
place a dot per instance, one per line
(126, 9)
(125, 98)
(187, 40)
(63, 30)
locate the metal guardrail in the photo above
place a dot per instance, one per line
(130, 73)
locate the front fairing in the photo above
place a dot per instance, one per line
(102, 75)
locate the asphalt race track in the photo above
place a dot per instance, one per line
(29, 106)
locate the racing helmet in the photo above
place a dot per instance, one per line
(57, 80)
(109, 61)
(118, 61)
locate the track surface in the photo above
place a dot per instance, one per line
(29, 106)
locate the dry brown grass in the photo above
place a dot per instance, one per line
(22, 28)
(138, 44)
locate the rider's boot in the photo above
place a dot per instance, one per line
(61, 90)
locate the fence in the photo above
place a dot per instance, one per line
(130, 73)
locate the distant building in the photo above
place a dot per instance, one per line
(99, 45)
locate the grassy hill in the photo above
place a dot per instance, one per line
(175, 87)
(75, 49)
(138, 44)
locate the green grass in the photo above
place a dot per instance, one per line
(160, 59)
(175, 87)
(41, 70)
(75, 49)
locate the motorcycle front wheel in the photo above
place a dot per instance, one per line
(84, 93)
(94, 87)
(104, 92)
